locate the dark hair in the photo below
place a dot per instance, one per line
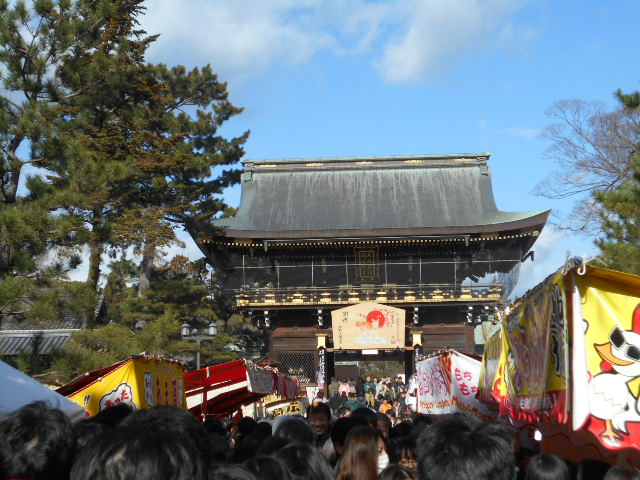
(268, 468)
(214, 425)
(246, 425)
(420, 423)
(342, 426)
(140, 453)
(114, 415)
(405, 447)
(248, 446)
(297, 430)
(396, 472)
(319, 407)
(547, 467)
(36, 442)
(88, 429)
(342, 410)
(620, 472)
(360, 458)
(463, 447)
(381, 417)
(104, 421)
(305, 462)
(170, 420)
(272, 445)
(230, 472)
(400, 430)
(366, 413)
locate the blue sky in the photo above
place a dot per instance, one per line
(348, 78)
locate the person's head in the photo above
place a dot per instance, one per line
(364, 454)
(230, 472)
(271, 445)
(547, 467)
(463, 447)
(296, 430)
(343, 412)
(169, 420)
(400, 430)
(343, 394)
(405, 453)
(383, 423)
(319, 418)
(268, 468)
(141, 452)
(420, 424)
(36, 442)
(305, 462)
(368, 378)
(366, 413)
(341, 429)
(246, 425)
(397, 472)
(620, 472)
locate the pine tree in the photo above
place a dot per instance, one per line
(37, 247)
(620, 216)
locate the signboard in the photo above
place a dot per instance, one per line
(534, 362)
(138, 382)
(448, 383)
(607, 400)
(322, 368)
(368, 325)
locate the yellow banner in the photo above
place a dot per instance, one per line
(368, 325)
(535, 343)
(610, 316)
(493, 361)
(139, 382)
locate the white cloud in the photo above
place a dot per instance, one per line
(436, 34)
(405, 40)
(551, 250)
(239, 38)
(522, 132)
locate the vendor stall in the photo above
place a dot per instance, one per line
(222, 390)
(567, 359)
(142, 381)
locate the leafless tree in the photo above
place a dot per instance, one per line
(592, 147)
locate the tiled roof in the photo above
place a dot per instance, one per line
(15, 342)
(370, 196)
(65, 321)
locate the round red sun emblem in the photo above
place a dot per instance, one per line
(376, 318)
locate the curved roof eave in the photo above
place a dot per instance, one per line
(510, 221)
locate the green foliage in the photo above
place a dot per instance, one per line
(152, 323)
(124, 153)
(620, 211)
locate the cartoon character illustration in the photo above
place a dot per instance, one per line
(610, 397)
(375, 319)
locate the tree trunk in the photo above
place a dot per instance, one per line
(95, 259)
(5, 259)
(146, 267)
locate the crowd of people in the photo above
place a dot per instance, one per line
(391, 396)
(38, 442)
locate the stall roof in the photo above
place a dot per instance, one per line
(229, 386)
(90, 377)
